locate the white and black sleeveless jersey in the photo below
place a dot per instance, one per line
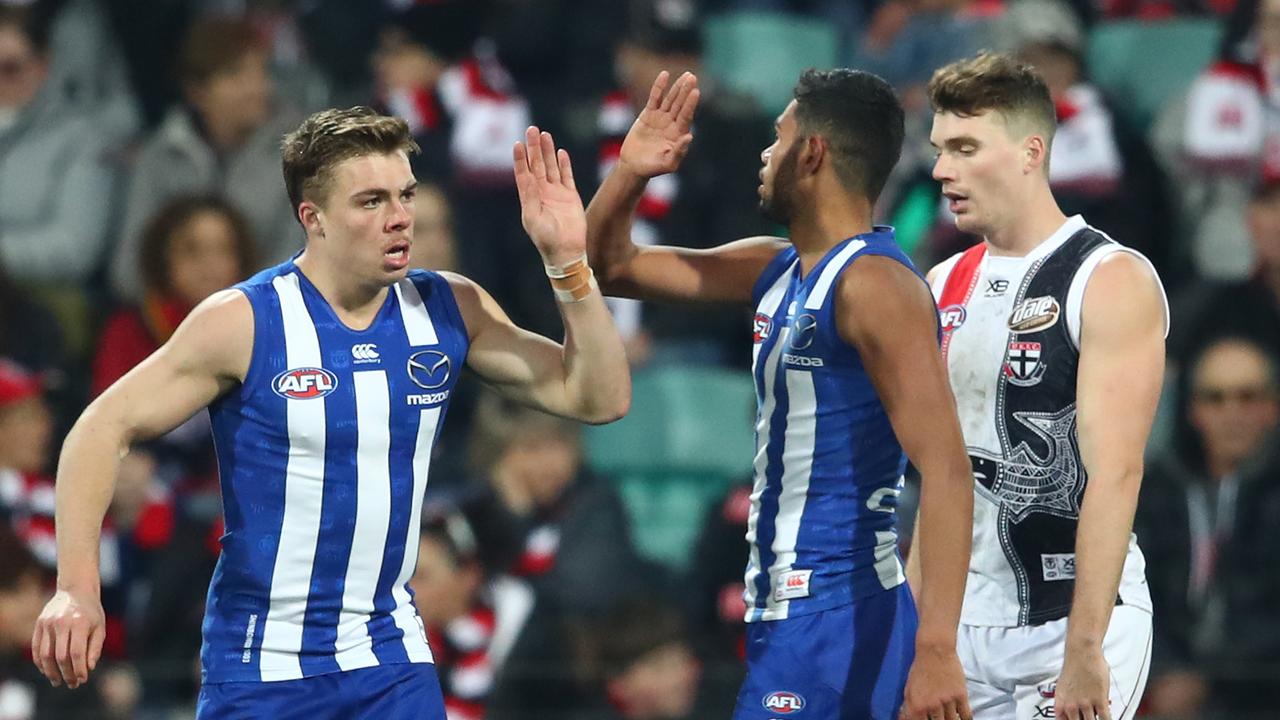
(1011, 336)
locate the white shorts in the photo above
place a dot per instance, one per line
(1012, 671)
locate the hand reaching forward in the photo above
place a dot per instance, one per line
(659, 138)
(550, 207)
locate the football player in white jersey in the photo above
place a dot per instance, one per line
(1054, 339)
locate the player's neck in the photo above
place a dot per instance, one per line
(1027, 228)
(818, 229)
(355, 303)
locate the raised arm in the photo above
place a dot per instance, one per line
(656, 144)
(587, 377)
(887, 313)
(1118, 385)
(207, 356)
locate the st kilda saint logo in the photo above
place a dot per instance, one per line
(304, 383)
(1024, 366)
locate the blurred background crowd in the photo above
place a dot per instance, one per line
(571, 573)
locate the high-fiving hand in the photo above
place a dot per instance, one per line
(550, 207)
(659, 138)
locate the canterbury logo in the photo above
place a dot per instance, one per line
(365, 353)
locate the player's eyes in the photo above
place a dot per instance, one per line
(371, 203)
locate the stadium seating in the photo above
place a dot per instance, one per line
(688, 436)
(1140, 65)
(761, 53)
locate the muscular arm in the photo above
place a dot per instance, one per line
(913, 557)
(724, 273)
(655, 145)
(1118, 386)
(586, 378)
(207, 356)
(888, 315)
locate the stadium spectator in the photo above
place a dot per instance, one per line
(223, 140)
(544, 518)
(1223, 137)
(192, 247)
(1208, 519)
(709, 199)
(471, 619)
(639, 660)
(57, 186)
(436, 69)
(1249, 308)
(24, 694)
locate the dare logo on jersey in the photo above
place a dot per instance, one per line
(951, 317)
(304, 383)
(1034, 314)
(761, 328)
(783, 702)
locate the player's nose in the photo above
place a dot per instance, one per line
(942, 170)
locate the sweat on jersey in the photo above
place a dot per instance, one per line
(828, 467)
(323, 453)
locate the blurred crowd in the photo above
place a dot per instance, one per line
(140, 172)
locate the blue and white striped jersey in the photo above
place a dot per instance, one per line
(323, 453)
(828, 468)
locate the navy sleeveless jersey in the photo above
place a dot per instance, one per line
(828, 467)
(323, 454)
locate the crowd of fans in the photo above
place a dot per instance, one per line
(139, 173)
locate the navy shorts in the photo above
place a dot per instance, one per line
(847, 663)
(407, 691)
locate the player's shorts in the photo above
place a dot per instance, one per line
(405, 691)
(847, 663)
(1012, 672)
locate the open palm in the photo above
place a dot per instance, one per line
(659, 138)
(550, 207)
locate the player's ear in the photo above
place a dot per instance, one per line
(1035, 153)
(812, 154)
(310, 215)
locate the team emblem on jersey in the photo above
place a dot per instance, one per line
(761, 328)
(803, 330)
(1035, 314)
(1024, 367)
(304, 383)
(951, 317)
(783, 702)
(429, 369)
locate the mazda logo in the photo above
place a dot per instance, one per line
(802, 331)
(429, 369)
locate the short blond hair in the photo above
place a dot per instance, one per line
(310, 153)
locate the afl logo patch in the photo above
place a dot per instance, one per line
(761, 328)
(783, 703)
(951, 317)
(1035, 314)
(304, 383)
(429, 369)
